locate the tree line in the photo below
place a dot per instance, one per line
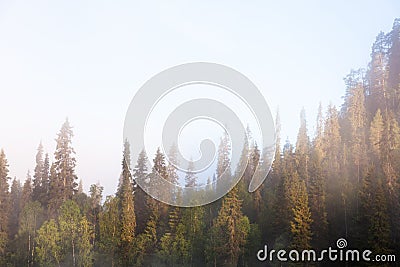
(343, 182)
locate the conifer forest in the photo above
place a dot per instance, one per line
(341, 182)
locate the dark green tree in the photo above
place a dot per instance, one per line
(4, 204)
(127, 208)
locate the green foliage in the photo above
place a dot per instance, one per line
(109, 226)
(85, 255)
(229, 232)
(69, 219)
(48, 248)
(342, 182)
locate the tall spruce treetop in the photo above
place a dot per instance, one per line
(303, 142)
(319, 131)
(190, 178)
(141, 170)
(223, 155)
(3, 177)
(65, 161)
(38, 173)
(159, 168)
(302, 148)
(278, 153)
(127, 206)
(332, 139)
(377, 74)
(173, 159)
(394, 66)
(45, 184)
(159, 164)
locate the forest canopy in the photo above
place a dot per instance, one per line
(342, 182)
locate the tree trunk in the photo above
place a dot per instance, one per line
(73, 254)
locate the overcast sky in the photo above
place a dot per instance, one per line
(85, 60)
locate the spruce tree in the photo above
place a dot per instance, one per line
(190, 177)
(127, 210)
(15, 205)
(375, 213)
(65, 162)
(95, 197)
(300, 224)
(26, 194)
(229, 231)
(375, 137)
(4, 203)
(141, 174)
(303, 148)
(37, 191)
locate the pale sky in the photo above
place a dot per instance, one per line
(85, 60)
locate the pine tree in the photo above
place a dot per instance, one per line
(174, 244)
(65, 162)
(282, 207)
(244, 170)
(193, 220)
(375, 212)
(4, 203)
(300, 224)
(141, 174)
(356, 115)
(146, 242)
(38, 174)
(276, 165)
(334, 151)
(173, 160)
(26, 194)
(303, 148)
(127, 210)
(190, 178)
(229, 231)
(394, 67)
(317, 188)
(224, 151)
(15, 197)
(43, 197)
(157, 209)
(377, 75)
(390, 156)
(376, 132)
(256, 195)
(95, 197)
